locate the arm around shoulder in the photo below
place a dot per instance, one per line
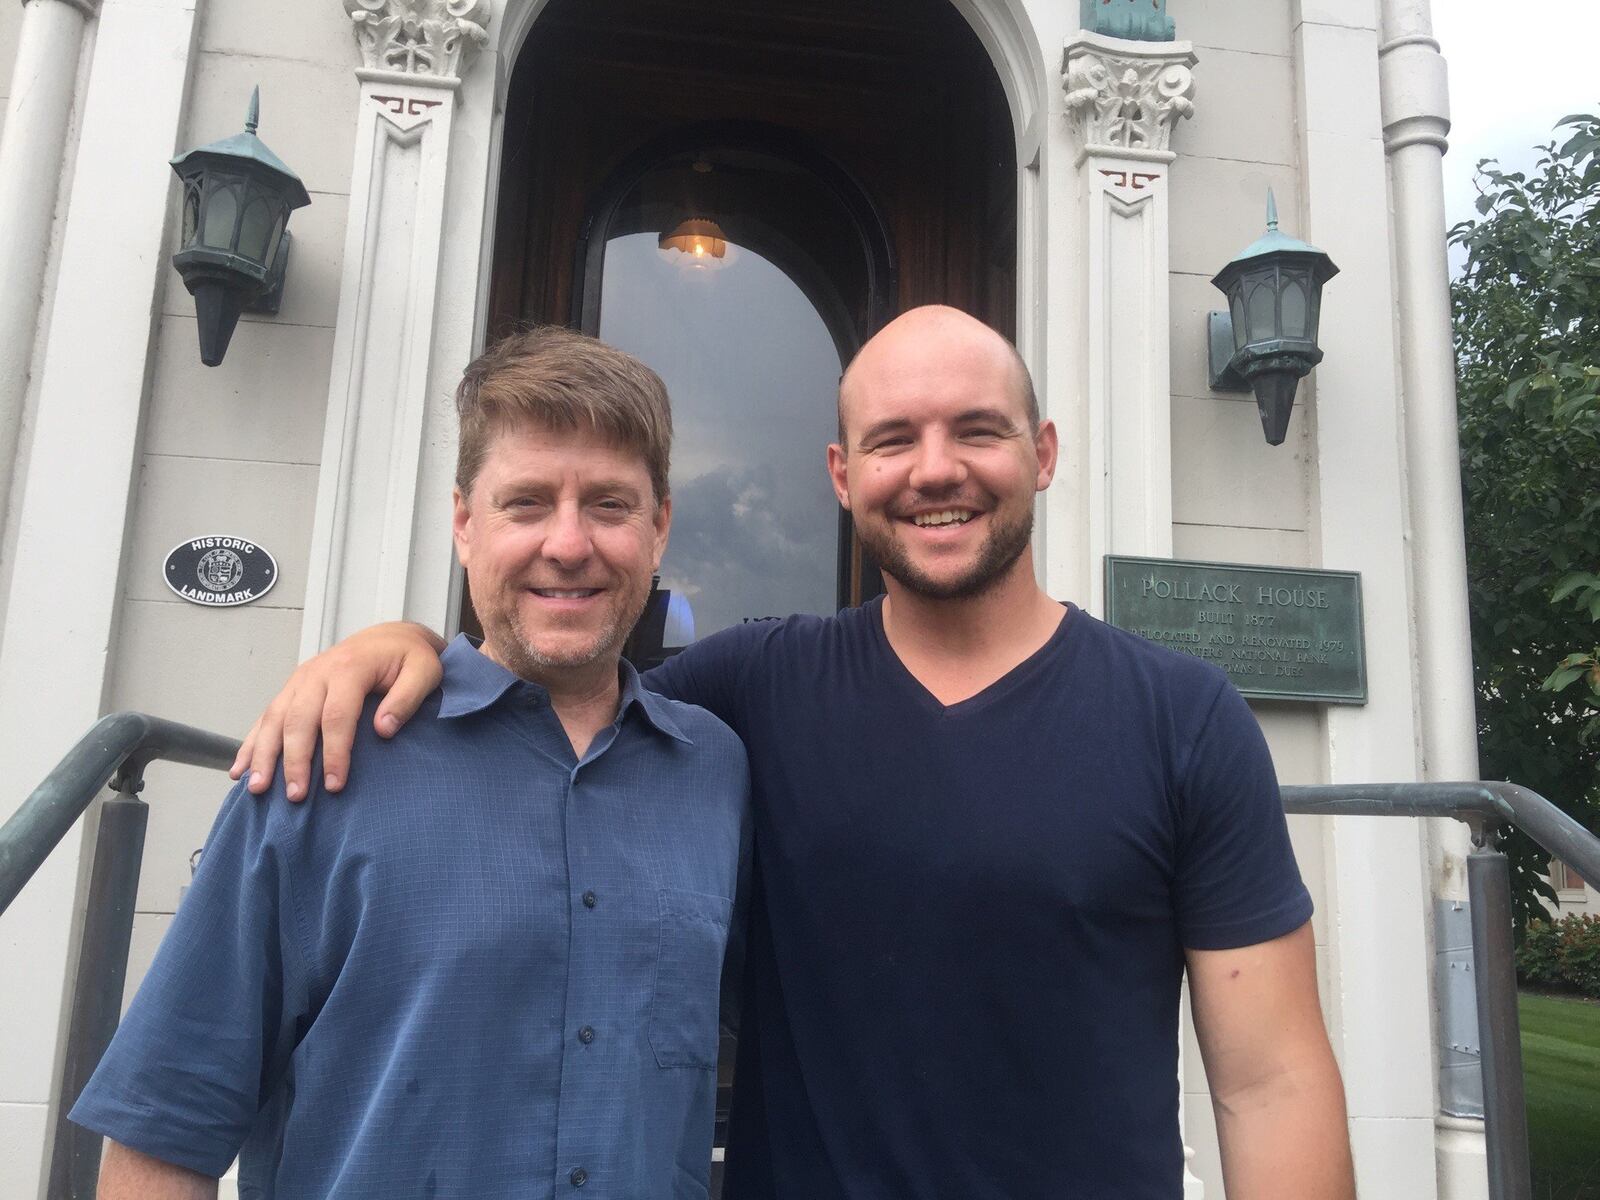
(127, 1174)
(324, 698)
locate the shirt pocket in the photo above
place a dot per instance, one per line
(683, 1011)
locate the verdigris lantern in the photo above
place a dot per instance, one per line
(237, 197)
(1136, 20)
(1267, 340)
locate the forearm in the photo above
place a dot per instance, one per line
(126, 1174)
(1287, 1136)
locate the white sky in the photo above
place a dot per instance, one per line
(1515, 70)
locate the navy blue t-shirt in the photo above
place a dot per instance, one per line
(966, 945)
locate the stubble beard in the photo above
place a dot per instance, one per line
(507, 637)
(1000, 550)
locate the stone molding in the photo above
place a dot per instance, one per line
(1416, 93)
(1124, 98)
(422, 40)
(89, 8)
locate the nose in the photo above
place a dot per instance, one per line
(938, 466)
(566, 540)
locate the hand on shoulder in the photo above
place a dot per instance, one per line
(324, 697)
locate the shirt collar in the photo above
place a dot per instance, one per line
(473, 681)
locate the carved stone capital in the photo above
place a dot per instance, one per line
(431, 39)
(1125, 97)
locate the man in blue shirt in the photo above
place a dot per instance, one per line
(494, 971)
(992, 836)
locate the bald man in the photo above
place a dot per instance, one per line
(992, 834)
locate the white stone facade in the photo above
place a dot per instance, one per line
(326, 435)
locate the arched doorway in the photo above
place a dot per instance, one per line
(890, 119)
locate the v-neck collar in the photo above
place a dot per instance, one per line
(1016, 677)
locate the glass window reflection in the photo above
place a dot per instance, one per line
(752, 370)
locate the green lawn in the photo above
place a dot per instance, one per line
(1561, 1063)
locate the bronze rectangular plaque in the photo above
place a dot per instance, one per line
(1280, 634)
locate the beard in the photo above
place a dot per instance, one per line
(1004, 545)
(507, 638)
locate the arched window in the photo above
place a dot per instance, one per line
(745, 269)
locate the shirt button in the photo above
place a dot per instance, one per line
(586, 1035)
(590, 899)
(579, 1177)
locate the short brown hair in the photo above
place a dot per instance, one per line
(562, 379)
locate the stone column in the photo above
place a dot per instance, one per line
(1379, 900)
(1416, 122)
(376, 551)
(31, 158)
(1123, 99)
(66, 583)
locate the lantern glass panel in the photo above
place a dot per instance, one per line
(1241, 331)
(274, 240)
(1313, 309)
(256, 230)
(1296, 306)
(1263, 310)
(191, 211)
(221, 216)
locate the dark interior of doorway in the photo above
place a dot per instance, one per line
(900, 93)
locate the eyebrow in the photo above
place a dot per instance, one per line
(899, 424)
(619, 486)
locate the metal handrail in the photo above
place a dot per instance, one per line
(119, 748)
(1482, 804)
(116, 751)
(1487, 807)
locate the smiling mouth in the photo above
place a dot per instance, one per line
(948, 516)
(565, 593)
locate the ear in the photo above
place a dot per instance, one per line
(663, 524)
(461, 525)
(1046, 445)
(838, 474)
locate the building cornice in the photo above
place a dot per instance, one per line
(426, 41)
(1125, 97)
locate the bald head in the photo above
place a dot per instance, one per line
(925, 337)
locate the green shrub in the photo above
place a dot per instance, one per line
(1537, 958)
(1579, 953)
(1562, 954)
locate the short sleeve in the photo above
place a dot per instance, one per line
(209, 1035)
(1237, 880)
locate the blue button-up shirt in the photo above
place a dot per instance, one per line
(490, 969)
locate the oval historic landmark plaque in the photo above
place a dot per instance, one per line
(220, 572)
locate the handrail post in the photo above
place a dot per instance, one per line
(100, 978)
(1499, 1027)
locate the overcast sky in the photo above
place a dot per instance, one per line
(1515, 70)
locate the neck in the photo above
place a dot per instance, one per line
(584, 698)
(1010, 620)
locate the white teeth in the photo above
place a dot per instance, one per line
(947, 517)
(565, 593)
